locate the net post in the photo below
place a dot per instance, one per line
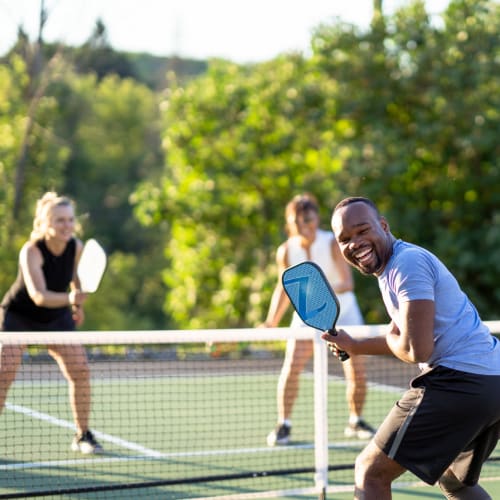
(320, 412)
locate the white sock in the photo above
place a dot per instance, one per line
(354, 419)
(286, 422)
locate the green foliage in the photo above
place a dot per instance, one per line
(12, 111)
(426, 116)
(235, 157)
(93, 140)
(31, 158)
(112, 125)
(405, 113)
(153, 70)
(129, 297)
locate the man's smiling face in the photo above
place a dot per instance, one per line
(364, 237)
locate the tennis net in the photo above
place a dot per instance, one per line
(185, 414)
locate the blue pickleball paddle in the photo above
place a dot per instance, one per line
(312, 297)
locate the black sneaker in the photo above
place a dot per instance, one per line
(86, 443)
(280, 435)
(361, 430)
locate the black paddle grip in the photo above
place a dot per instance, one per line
(342, 355)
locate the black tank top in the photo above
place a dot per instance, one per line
(58, 271)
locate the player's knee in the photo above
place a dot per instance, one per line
(360, 466)
(364, 469)
(373, 469)
(82, 374)
(449, 483)
(78, 373)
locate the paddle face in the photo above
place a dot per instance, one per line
(312, 297)
(91, 266)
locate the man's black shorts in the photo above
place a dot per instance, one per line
(448, 418)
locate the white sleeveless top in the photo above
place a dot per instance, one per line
(321, 254)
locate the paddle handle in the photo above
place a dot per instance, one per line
(342, 355)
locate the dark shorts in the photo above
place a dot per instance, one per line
(13, 322)
(447, 419)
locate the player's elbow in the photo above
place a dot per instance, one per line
(414, 352)
(421, 353)
(38, 298)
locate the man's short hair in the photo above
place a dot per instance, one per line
(356, 199)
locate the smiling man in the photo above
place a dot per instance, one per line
(435, 430)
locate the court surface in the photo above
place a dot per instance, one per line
(182, 421)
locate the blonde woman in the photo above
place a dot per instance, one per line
(45, 297)
(306, 241)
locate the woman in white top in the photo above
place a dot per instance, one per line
(307, 242)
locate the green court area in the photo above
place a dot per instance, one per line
(177, 430)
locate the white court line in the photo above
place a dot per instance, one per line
(375, 385)
(63, 463)
(153, 454)
(172, 455)
(68, 425)
(146, 452)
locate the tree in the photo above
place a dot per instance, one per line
(425, 130)
(403, 113)
(32, 158)
(240, 142)
(96, 55)
(112, 125)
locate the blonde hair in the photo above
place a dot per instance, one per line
(43, 211)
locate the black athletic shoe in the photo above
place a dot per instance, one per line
(361, 430)
(86, 443)
(280, 435)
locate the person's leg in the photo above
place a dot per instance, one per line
(356, 387)
(10, 359)
(298, 353)
(454, 489)
(354, 372)
(72, 360)
(460, 480)
(374, 473)
(355, 375)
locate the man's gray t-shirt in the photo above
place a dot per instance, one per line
(461, 340)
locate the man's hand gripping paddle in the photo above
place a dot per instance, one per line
(91, 266)
(312, 297)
